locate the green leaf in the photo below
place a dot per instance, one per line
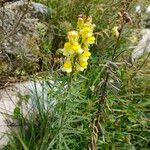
(16, 112)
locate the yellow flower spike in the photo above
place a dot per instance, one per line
(73, 36)
(76, 49)
(67, 67)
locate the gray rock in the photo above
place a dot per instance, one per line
(143, 45)
(40, 7)
(18, 23)
(9, 100)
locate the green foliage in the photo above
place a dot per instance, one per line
(61, 119)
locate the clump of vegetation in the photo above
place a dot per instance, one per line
(105, 106)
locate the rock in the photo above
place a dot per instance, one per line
(143, 45)
(39, 7)
(18, 28)
(20, 18)
(148, 10)
(9, 98)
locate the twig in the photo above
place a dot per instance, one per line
(102, 89)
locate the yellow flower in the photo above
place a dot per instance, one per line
(90, 40)
(83, 63)
(72, 48)
(89, 25)
(76, 47)
(86, 32)
(73, 36)
(67, 67)
(67, 50)
(84, 56)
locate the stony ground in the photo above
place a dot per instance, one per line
(143, 45)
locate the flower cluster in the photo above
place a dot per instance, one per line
(76, 49)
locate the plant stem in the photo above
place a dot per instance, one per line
(96, 126)
(102, 91)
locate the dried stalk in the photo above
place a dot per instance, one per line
(96, 122)
(96, 129)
